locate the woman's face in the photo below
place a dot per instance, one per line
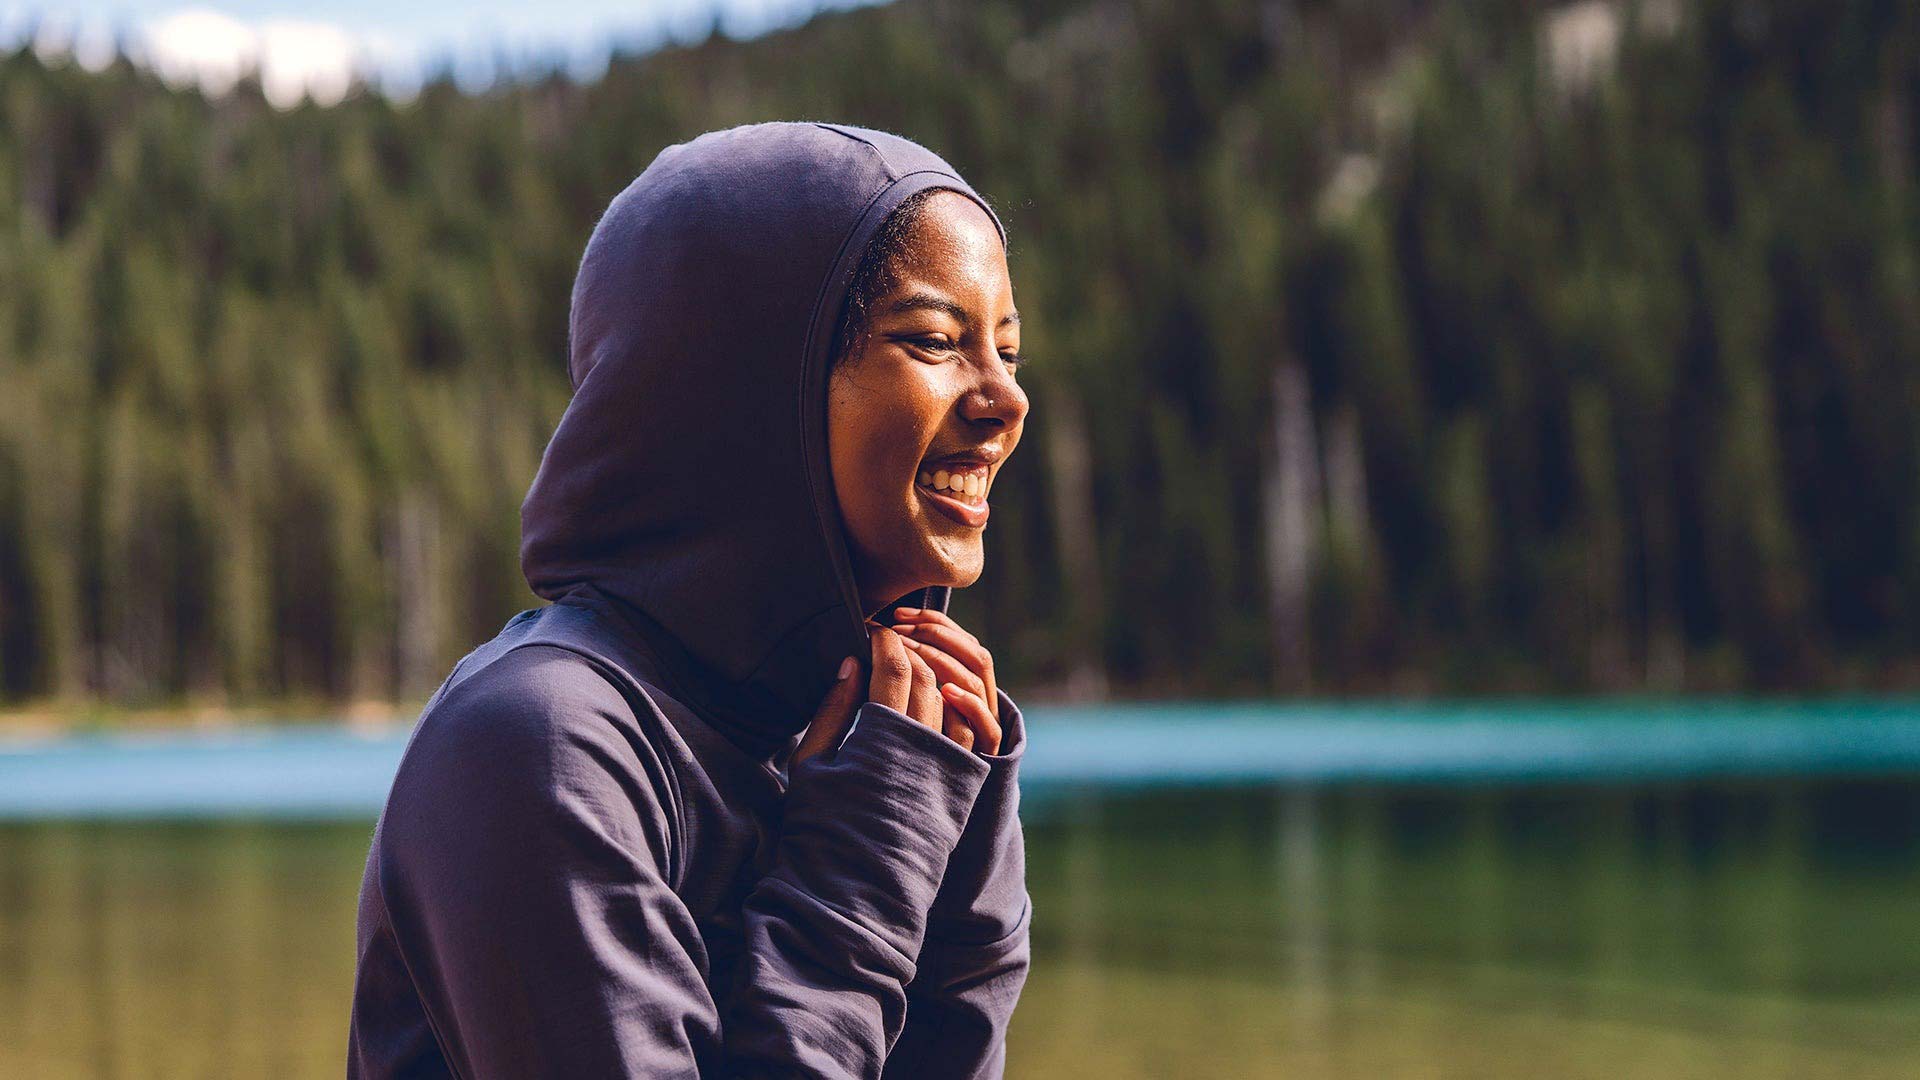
(928, 396)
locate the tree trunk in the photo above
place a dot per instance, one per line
(1070, 458)
(1292, 495)
(418, 617)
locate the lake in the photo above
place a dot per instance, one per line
(1632, 890)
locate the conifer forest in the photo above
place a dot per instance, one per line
(1377, 348)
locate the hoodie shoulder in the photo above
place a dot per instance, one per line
(535, 731)
(523, 894)
(524, 696)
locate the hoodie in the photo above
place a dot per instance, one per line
(595, 859)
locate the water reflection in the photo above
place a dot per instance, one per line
(1719, 931)
(1722, 931)
(175, 950)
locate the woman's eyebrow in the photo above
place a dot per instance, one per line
(921, 299)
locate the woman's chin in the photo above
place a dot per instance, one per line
(961, 559)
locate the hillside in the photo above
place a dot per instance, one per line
(1462, 348)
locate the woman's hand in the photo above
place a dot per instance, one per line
(901, 680)
(965, 669)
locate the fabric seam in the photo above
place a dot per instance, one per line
(783, 885)
(605, 669)
(962, 945)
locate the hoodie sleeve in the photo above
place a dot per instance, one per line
(522, 861)
(835, 928)
(525, 856)
(974, 962)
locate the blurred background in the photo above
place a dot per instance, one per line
(1458, 575)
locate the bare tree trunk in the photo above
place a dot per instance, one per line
(1665, 664)
(418, 617)
(39, 190)
(1347, 486)
(1893, 140)
(1604, 545)
(52, 483)
(1292, 495)
(133, 558)
(1070, 457)
(365, 596)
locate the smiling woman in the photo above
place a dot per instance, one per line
(923, 405)
(701, 815)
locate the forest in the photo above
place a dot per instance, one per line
(1398, 348)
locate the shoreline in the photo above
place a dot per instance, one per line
(55, 719)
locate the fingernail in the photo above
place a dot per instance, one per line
(953, 689)
(846, 668)
(906, 611)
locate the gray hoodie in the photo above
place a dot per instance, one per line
(594, 860)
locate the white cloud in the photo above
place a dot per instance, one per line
(393, 47)
(306, 58)
(295, 59)
(59, 38)
(200, 46)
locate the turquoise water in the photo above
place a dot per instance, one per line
(327, 771)
(1480, 899)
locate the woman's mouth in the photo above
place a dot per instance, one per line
(961, 494)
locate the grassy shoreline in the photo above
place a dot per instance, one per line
(48, 718)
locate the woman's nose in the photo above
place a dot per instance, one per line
(997, 399)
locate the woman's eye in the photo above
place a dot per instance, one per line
(942, 346)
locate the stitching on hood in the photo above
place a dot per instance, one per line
(892, 173)
(843, 570)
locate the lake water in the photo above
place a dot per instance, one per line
(1405, 911)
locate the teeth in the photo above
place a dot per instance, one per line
(968, 485)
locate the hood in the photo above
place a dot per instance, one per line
(687, 486)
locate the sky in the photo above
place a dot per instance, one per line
(317, 48)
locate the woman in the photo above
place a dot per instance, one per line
(702, 814)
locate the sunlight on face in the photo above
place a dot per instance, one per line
(924, 410)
